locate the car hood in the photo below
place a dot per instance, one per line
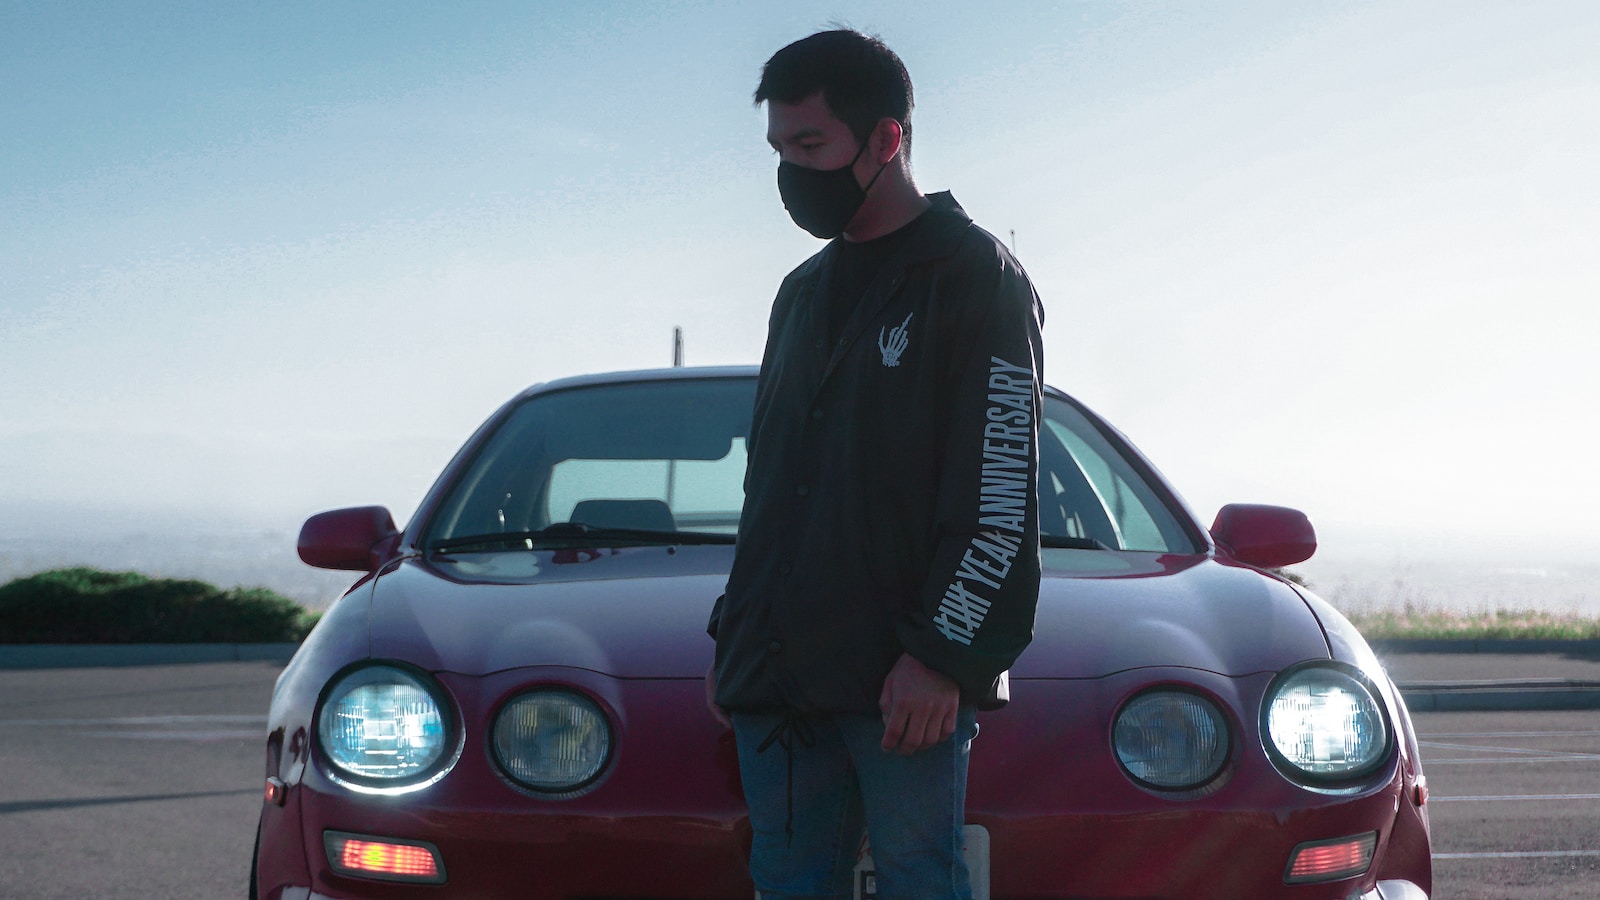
(1099, 613)
(639, 613)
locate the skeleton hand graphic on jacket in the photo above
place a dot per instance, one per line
(897, 343)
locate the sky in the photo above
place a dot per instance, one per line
(262, 260)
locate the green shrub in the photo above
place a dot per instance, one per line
(1503, 624)
(90, 606)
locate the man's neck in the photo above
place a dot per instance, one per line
(892, 204)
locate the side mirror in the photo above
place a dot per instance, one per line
(354, 538)
(1264, 536)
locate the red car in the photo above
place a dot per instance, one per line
(510, 702)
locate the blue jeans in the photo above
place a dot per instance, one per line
(807, 820)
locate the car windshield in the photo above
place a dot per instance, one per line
(664, 462)
(662, 457)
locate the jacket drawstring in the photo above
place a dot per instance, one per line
(792, 726)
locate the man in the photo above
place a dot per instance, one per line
(887, 568)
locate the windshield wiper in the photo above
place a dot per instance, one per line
(568, 533)
(1065, 542)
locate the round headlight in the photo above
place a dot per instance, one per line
(1171, 740)
(382, 726)
(552, 740)
(1325, 724)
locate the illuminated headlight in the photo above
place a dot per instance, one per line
(383, 727)
(1323, 723)
(1171, 740)
(552, 740)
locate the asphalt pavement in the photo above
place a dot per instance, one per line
(1497, 681)
(1514, 802)
(131, 782)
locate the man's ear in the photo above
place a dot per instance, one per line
(885, 140)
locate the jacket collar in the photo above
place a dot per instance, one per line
(942, 232)
(939, 238)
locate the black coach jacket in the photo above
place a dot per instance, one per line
(891, 495)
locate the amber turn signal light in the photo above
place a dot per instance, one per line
(388, 859)
(1331, 860)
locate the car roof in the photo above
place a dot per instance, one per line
(676, 373)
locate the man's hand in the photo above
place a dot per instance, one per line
(919, 706)
(717, 712)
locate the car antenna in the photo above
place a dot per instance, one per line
(677, 363)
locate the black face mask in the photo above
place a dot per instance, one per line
(823, 201)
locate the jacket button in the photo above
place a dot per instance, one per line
(802, 490)
(816, 413)
(785, 568)
(775, 647)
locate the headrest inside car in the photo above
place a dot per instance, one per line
(653, 515)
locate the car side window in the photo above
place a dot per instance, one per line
(1087, 489)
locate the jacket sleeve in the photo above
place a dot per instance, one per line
(975, 613)
(716, 617)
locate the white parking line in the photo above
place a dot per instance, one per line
(1500, 734)
(1517, 855)
(215, 734)
(1497, 797)
(1429, 762)
(1525, 751)
(144, 720)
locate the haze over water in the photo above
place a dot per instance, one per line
(238, 554)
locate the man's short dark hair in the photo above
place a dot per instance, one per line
(860, 78)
